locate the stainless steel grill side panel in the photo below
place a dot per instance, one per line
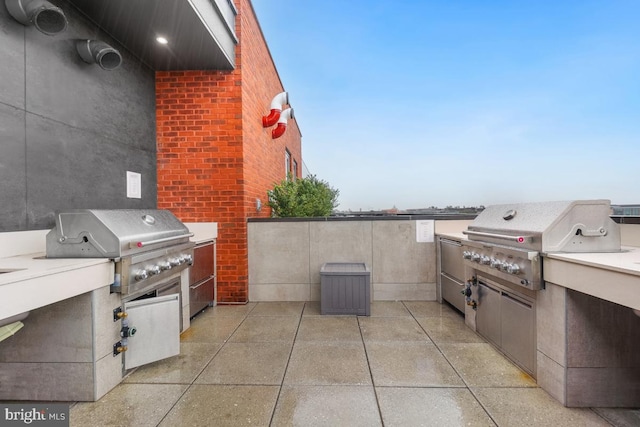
(585, 227)
(79, 235)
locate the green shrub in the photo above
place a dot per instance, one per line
(303, 197)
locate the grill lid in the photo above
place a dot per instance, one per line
(94, 233)
(564, 226)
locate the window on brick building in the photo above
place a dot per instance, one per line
(287, 163)
(295, 170)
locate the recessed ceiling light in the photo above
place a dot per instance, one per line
(162, 40)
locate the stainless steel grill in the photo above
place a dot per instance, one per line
(503, 262)
(150, 249)
(507, 241)
(148, 246)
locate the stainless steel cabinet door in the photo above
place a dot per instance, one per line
(201, 296)
(157, 324)
(488, 323)
(518, 329)
(451, 261)
(203, 263)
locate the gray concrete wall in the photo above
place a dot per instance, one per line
(285, 258)
(630, 234)
(69, 131)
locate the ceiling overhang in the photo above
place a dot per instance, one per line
(200, 34)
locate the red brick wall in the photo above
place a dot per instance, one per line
(264, 156)
(214, 156)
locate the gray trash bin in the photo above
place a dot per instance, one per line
(345, 288)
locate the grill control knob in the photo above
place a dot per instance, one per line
(141, 275)
(485, 260)
(189, 259)
(165, 265)
(494, 263)
(513, 268)
(175, 262)
(466, 255)
(153, 270)
(475, 257)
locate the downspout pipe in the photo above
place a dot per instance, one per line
(277, 103)
(278, 131)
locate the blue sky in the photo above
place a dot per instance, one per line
(413, 103)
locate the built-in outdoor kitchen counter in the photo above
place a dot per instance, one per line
(587, 334)
(29, 281)
(586, 272)
(52, 357)
(64, 350)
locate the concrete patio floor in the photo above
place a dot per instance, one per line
(283, 364)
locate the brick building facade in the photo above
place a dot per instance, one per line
(215, 159)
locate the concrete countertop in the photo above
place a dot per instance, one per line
(627, 261)
(613, 277)
(32, 266)
(33, 281)
(453, 236)
(29, 280)
(452, 229)
(202, 231)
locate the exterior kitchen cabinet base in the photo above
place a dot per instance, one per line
(590, 350)
(46, 381)
(64, 352)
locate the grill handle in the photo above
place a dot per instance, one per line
(133, 245)
(517, 239)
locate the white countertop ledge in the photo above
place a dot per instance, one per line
(613, 277)
(627, 261)
(34, 281)
(31, 266)
(203, 231)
